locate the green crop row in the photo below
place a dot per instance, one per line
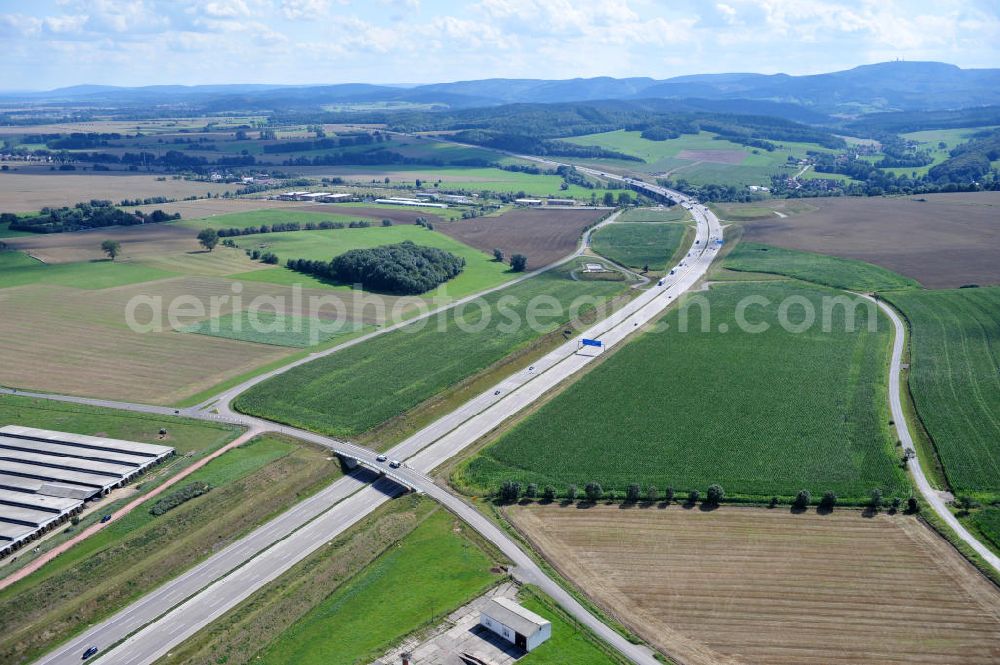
(763, 414)
(955, 380)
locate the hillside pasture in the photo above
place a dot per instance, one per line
(940, 240)
(544, 236)
(716, 403)
(700, 158)
(954, 378)
(757, 587)
(361, 387)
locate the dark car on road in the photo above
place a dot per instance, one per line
(89, 652)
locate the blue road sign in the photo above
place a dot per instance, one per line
(592, 342)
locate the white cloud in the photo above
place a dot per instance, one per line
(304, 9)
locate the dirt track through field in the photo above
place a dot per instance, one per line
(757, 586)
(943, 241)
(543, 236)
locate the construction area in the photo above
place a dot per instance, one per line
(46, 477)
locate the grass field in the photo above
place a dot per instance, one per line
(361, 387)
(432, 571)
(674, 214)
(688, 409)
(829, 270)
(766, 587)
(700, 158)
(636, 245)
(955, 380)
(18, 269)
(481, 271)
(987, 522)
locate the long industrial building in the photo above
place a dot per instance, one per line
(46, 476)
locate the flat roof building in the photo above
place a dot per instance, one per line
(528, 202)
(519, 626)
(45, 476)
(410, 202)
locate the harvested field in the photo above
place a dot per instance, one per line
(148, 239)
(543, 236)
(89, 350)
(714, 156)
(940, 240)
(213, 207)
(23, 192)
(749, 586)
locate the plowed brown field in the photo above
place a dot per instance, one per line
(940, 240)
(543, 236)
(757, 586)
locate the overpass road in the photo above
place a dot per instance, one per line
(150, 627)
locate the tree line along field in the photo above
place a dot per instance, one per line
(689, 409)
(750, 586)
(954, 378)
(361, 387)
(640, 244)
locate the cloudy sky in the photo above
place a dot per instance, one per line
(52, 43)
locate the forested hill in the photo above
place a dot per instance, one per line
(888, 86)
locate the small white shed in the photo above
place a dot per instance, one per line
(517, 625)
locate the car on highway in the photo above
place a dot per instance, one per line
(395, 464)
(89, 652)
(380, 458)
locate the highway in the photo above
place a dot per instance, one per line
(157, 622)
(931, 496)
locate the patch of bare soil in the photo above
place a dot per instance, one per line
(941, 240)
(543, 236)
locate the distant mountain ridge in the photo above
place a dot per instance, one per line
(888, 86)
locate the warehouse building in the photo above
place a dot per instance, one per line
(519, 626)
(46, 476)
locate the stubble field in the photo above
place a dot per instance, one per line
(27, 191)
(766, 587)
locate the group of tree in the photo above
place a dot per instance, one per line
(91, 215)
(404, 268)
(177, 497)
(510, 491)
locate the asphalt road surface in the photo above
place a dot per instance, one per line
(163, 618)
